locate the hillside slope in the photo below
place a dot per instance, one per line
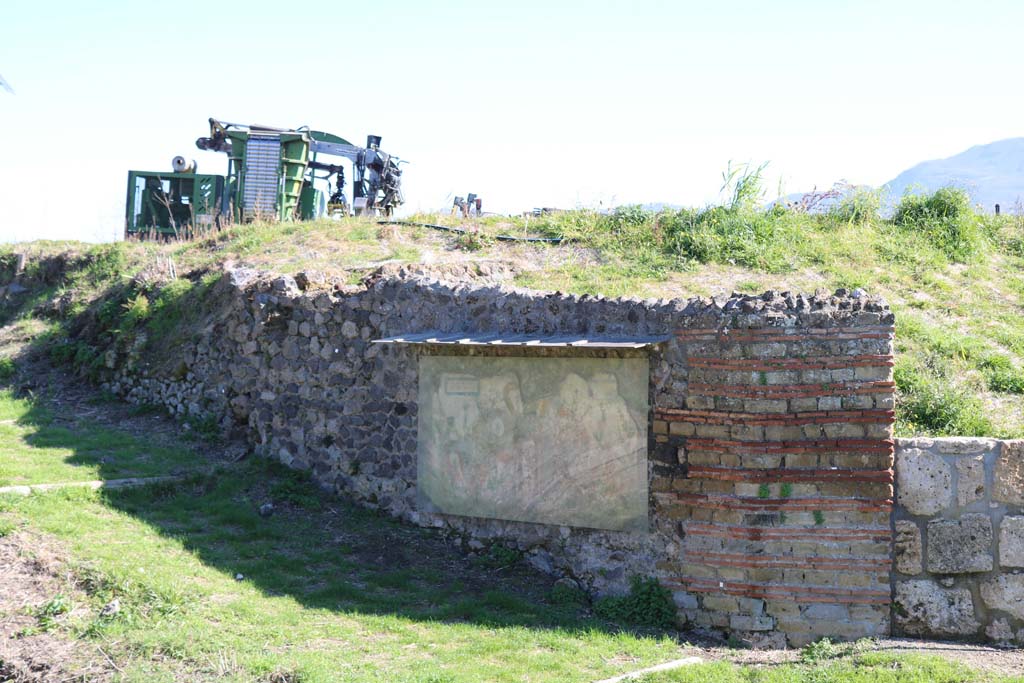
(956, 283)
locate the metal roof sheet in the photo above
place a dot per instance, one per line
(496, 339)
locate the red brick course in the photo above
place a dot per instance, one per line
(760, 419)
(726, 335)
(755, 533)
(795, 593)
(833, 563)
(810, 363)
(722, 502)
(788, 475)
(792, 390)
(784, 447)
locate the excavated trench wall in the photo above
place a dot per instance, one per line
(769, 435)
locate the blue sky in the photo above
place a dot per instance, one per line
(525, 103)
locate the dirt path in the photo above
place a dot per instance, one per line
(1004, 662)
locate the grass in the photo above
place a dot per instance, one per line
(319, 591)
(955, 279)
(39, 447)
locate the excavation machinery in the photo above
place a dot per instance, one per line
(280, 174)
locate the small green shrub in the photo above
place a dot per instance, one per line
(647, 604)
(47, 614)
(926, 405)
(499, 556)
(7, 527)
(821, 650)
(7, 369)
(204, 427)
(1007, 381)
(744, 185)
(860, 206)
(136, 310)
(946, 219)
(564, 594)
(472, 240)
(169, 307)
(824, 649)
(295, 487)
(106, 262)
(719, 234)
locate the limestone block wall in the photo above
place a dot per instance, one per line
(959, 547)
(770, 449)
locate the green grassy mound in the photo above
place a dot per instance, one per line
(954, 278)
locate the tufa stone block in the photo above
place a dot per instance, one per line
(908, 547)
(923, 482)
(1005, 592)
(1000, 633)
(971, 480)
(1011, 542)
(960, 546)
(743, 622)
(923, 608)
(1008, 482)
(964, 445)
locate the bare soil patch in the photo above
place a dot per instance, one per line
(32, 574)
(1004, 662)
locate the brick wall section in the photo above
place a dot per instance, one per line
(770, 453)
(781, 480)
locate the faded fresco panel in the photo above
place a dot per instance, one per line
(547, 440)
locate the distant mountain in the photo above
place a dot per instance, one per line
(992, 174)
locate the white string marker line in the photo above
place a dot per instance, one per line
(28, 489)
(667, 666)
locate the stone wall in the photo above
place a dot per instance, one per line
(959, 547)
(770, 436)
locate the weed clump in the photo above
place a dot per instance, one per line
(7, 369)
(931, 406)
(824, 649)
(567, 594)
(859, 206)
(946, 219)
(648, 603)
(499, 556)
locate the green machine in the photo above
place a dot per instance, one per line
(172, 203)
(273, 174)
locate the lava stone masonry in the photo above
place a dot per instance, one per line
(771, 450)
